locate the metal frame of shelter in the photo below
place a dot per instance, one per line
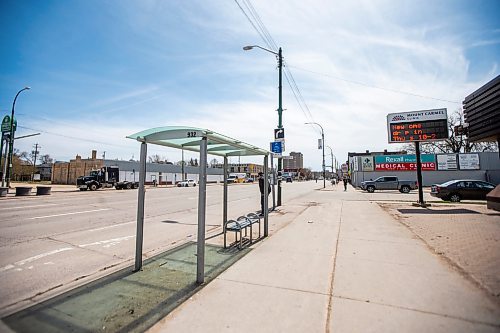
(205, 142)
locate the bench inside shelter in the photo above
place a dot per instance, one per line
(242, 223)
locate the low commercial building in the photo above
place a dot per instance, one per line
(159, 173)
(436, 168)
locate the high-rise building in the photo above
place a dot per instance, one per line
(295, 163)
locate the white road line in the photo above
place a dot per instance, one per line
(23, 207)
(112, 241)
(22, 262)
(111, 226)
(73, 213)
(5, 268)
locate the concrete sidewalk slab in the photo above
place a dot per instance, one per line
(384, 318)
(382, 279)
(402, 275)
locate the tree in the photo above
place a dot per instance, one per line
(455, 143)
(157, 159)
(305, 173)
(214, 163)
(22, 165)
(46, 159)
(193, 162)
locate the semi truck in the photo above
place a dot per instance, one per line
(106, 177)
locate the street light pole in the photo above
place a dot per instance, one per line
(279, 55)
(322, 146)
(11, 139)
(331, 153)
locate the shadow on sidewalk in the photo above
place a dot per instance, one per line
(438, 211)
(126, 301)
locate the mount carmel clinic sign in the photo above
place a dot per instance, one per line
(425, 125)
(404, 162)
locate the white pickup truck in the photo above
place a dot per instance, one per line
(389, 183)
(186, 183)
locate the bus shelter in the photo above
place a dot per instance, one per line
(205, 142)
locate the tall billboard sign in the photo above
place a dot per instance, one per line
(425, 125)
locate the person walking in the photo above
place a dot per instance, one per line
(261, 188)
(345, 183)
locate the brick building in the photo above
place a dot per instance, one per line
(68, 172)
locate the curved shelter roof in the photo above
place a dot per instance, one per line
(188, 138)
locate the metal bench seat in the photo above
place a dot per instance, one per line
(240, 224)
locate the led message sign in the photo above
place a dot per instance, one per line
(426, 125)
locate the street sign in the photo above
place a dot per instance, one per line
(6, 124)
(279, 134)
(276, 148)
(425, 125)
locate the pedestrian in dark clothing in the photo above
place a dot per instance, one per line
(345, 183)
(261, 188)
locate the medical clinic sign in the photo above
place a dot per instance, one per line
(404, 162)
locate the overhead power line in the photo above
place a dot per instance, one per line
(376, 87)
(74, 138)
(253, 17)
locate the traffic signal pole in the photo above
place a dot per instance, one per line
(280, 123)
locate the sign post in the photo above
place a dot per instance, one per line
(418, 126)
(5, 130)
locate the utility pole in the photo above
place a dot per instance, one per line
(35, 153)
(280, 119)
(280, 104)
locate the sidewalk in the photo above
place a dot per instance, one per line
(342, 265)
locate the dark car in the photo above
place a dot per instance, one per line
(456, 190)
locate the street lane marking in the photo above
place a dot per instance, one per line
(111, 226)
(5, 268)
(109, 242)
(30, 259)
(23, 207)
(73, 213)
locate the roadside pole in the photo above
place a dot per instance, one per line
(274, 181)
(419, 175)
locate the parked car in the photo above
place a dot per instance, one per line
(249, 180)
(289, 179)
(462, 189)
(389, 183)
(186, 183)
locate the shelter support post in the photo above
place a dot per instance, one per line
(224, 209)
(202, 196)
(140, 209)
(266, 188)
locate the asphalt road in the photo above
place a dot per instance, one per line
(52, 243)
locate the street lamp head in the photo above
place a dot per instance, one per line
(248, 47)
(27, 88)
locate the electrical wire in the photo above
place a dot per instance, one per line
(271, 44)
(376, 87)
(74, 138)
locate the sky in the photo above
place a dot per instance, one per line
(100, 70)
